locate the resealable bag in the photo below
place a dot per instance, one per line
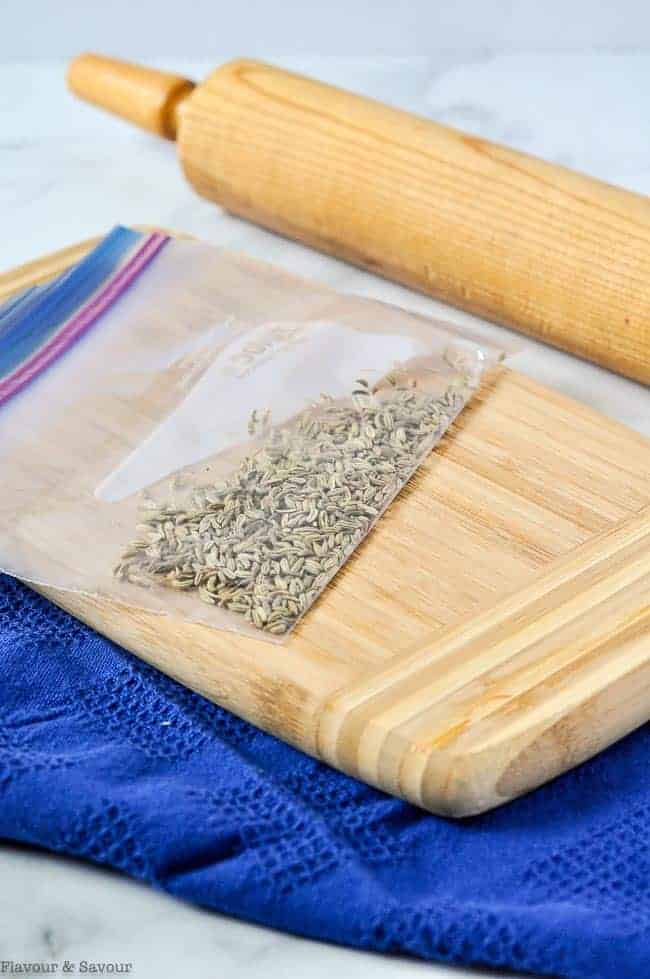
(190, 432)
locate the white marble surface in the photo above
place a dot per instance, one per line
(207, 28)
(67, 172)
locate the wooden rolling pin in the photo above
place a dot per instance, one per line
(554, 254)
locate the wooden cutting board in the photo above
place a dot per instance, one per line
(493, 630)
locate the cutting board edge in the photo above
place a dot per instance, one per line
(456, 735)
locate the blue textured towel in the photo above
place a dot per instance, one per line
(105, 758)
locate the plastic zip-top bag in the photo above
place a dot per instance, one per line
(190, 432)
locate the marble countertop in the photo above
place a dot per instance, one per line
(68, 172)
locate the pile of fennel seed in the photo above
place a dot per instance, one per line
(264, 542)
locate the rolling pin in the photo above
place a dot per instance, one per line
(554, 254)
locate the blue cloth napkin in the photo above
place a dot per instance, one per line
(105, 758)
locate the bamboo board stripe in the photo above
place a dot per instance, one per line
(496, 677)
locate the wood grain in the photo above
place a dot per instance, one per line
(550, 252)
(514, 695)
(492, 631)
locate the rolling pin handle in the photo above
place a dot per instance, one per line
(148, 98)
